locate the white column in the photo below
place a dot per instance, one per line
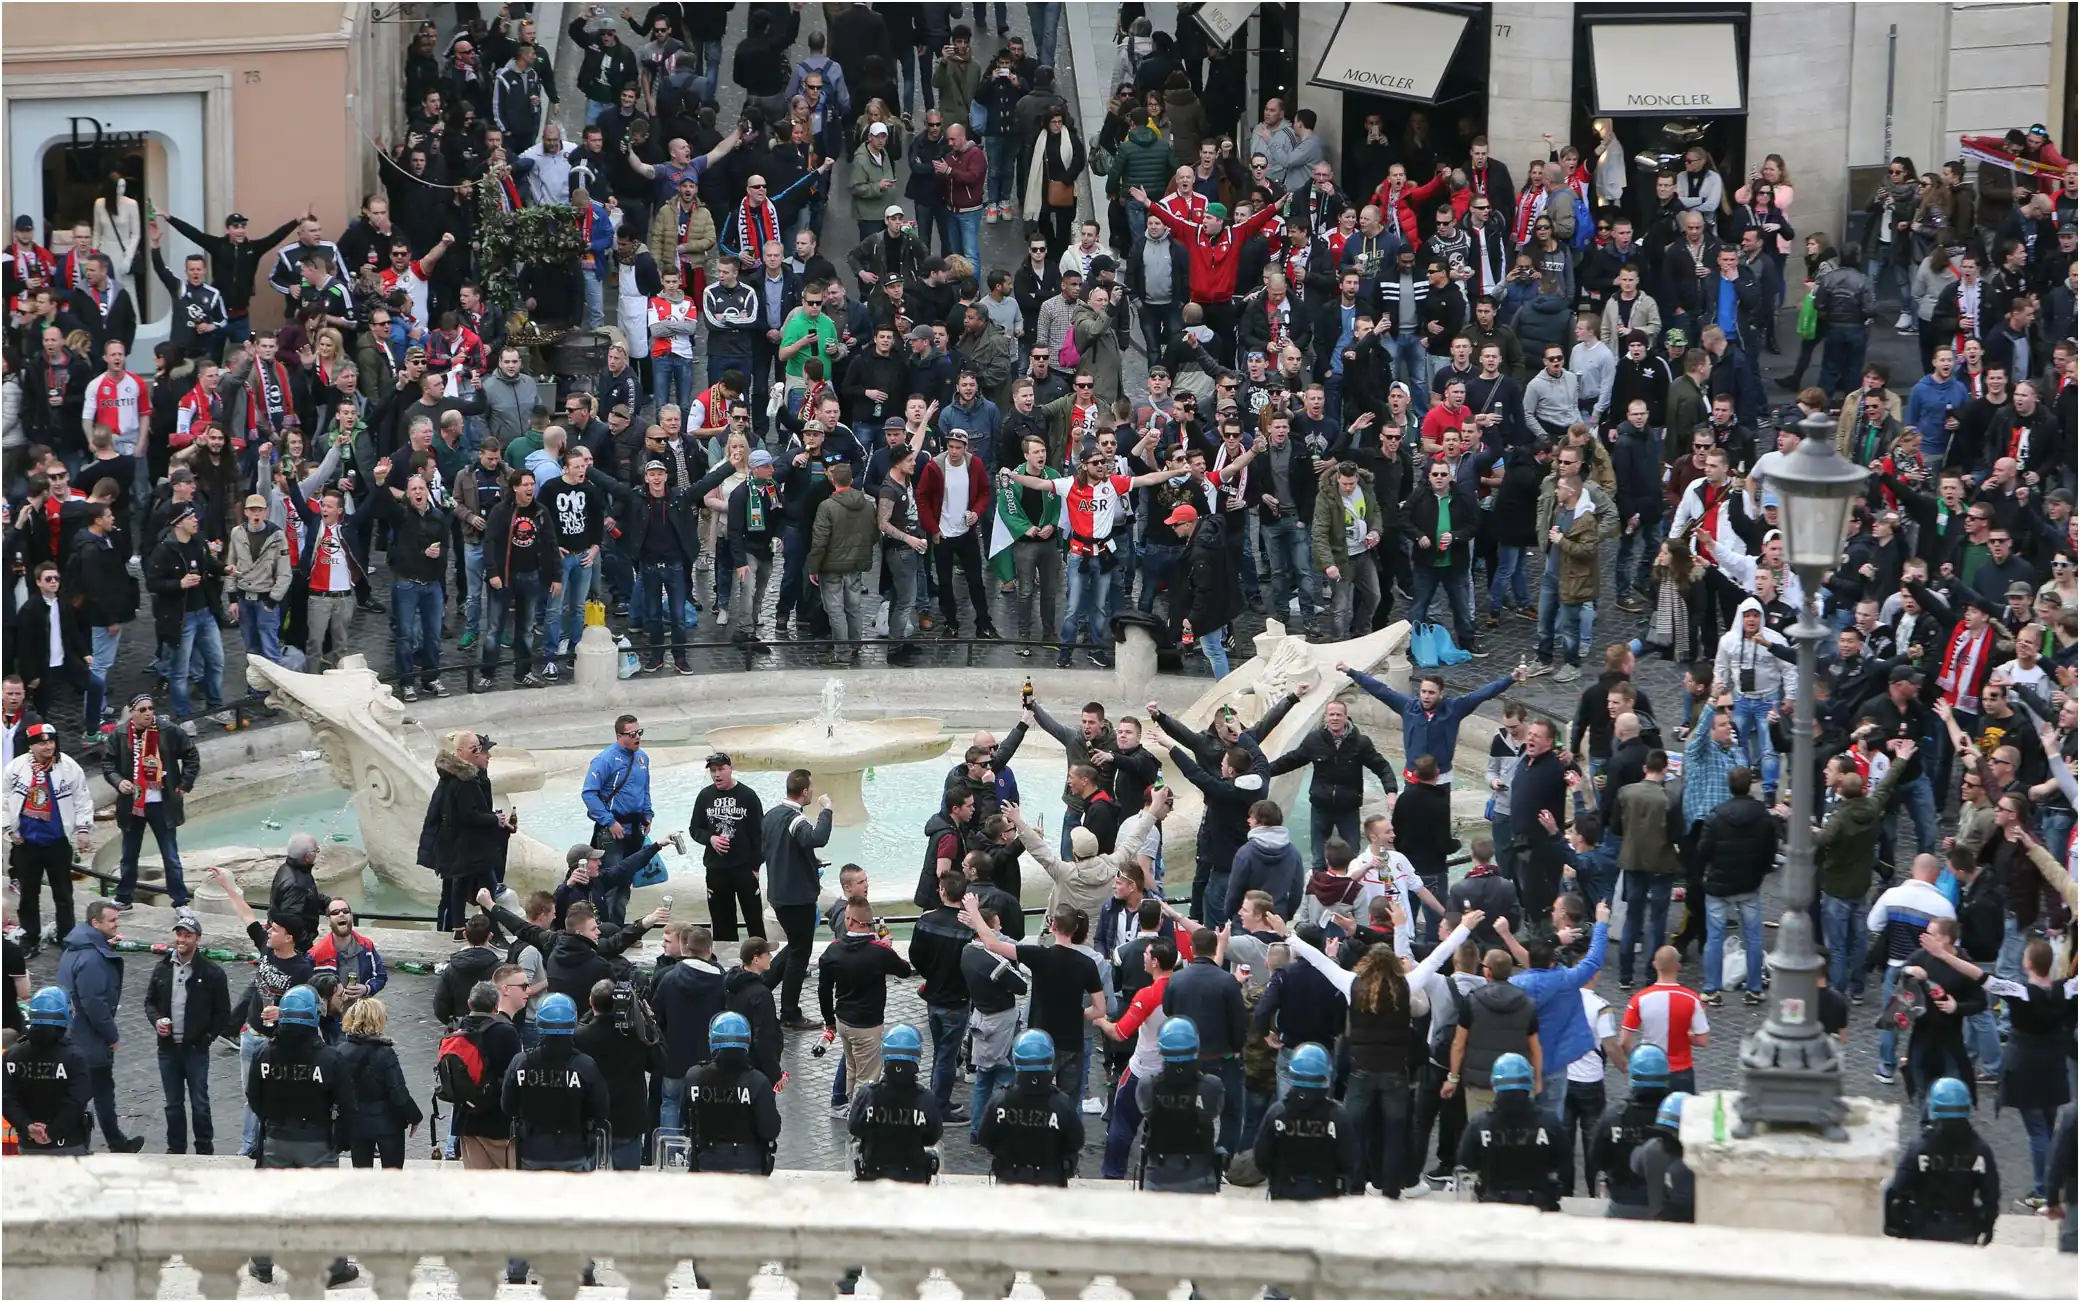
(1790, 1180)
(1798, 102)
(1530, 80)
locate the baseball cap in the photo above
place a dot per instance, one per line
(253, 500)
(1904, 674)
(1219, 210)
(1154, 371)
(719, 758)
(893, 422)
(182, 513)
(235, 219)
(578, 854)
(956, 435)
(1675, 337)
(761, 457)
(649, 466)
(878, 129)
(894, 210)
(1182, 513)
(2019, 589)
(184, 919)
(25, 223)
(919, 334)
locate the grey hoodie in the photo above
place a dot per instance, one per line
(1268, 862)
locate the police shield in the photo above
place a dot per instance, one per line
(670, 1150)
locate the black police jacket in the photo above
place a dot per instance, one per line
(894, 1123)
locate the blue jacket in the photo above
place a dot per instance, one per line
(610, 772)
(92, 974)
(1563, 1029)
(368, 963)
(1435, 733)
(1268, 861)
(602, 241)
(982, 423)
(1924, 411)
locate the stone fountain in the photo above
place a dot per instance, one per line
(837, 750)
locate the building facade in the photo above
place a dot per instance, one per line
(1835, 88)
(198, 110)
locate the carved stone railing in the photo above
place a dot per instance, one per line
(114, 1227)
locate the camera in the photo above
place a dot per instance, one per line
(624, 1006)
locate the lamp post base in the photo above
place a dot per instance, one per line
(1791, 1178)
(1791, 1070)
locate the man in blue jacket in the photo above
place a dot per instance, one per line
(92, 977)
(1563, 1028)
(1430, 720)
(617, 791)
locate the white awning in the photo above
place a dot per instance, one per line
(1222, 19)
(1387, 49)
(1666, 69)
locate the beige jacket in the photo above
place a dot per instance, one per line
(1087, 883)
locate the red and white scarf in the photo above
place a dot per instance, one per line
(757, 222)
(71, 268)
(143, 777)
(1966, 663)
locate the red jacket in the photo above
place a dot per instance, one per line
(1394, 208)
(1416, 198)
(964, 182)
(1213, 262)
(931, 493)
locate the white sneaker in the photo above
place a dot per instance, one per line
(678, 840)
(722, 618)
(188, 727)
(1093, 1107)
(990, 217)
(1905, 324)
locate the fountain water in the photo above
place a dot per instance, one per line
(837, 750)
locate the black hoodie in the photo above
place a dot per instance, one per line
(751, 993)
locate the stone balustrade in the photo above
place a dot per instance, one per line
(118, 1227)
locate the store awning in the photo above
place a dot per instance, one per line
(1222, 19)
(1667, 70)
(1387, 49)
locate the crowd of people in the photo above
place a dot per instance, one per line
(1368, 379)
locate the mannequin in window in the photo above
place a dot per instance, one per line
(119, 233)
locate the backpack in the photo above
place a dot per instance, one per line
(458, 1071)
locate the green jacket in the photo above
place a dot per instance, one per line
(867, 177)
(1846, 846)
(1009, 502)
(842, 539)
(1327, 527)
(1144, 159)
(956, 81)
(516, 452)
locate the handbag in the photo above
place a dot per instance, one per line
(1808, 318)
(1070, 353)
(978, 116)
(1060, 194)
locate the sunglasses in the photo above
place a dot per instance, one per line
(339, 913)
(631, 732)
(1085, 384)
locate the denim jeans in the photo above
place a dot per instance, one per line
(564, 616)
(595, 300)
(261, 623)
(415, 624)
(1412, 367)
(1577, 629)
(106, 646)
(1089, 582)
(671, 1105)
(1646, 908)
(1982, 1039)
(522, 594)
(1292, 566)
(1457, 583)
(846, 606)
(664, 601)
(250, 1044)
(1322, 822)
(1841, 922)
(671, 380)
(1718, 911)
(199, 635)
(1751, 724)
(184, 1076)
(1003, 168)
(949, 1026)
(968, 225)
(1509, 587)
(473, 582)
(1161, 325)
(1636, 559)
(167, 836)
(988, 1080)
(1888, 1038)
(1159, 565)
(2039, 1124)
(903, 565)
(1046, 20)
(2008, 963)
(1377, 1103)
(1920, 799)
(711, 68)
(1548, 607)
(794, 558)
(1214, 645)
(1841, 357)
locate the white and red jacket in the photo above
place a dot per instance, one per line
(443, 352)
(1191, 205)
(1967, 664)
(195, 409)
(1392, 201)
(412, 281)
(666, 343)
(121, 403)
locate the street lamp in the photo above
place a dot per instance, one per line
(1790, 1071)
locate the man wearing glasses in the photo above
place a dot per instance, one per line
(617, 791)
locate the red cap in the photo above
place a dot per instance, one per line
(1183, 513)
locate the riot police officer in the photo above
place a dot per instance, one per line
(1305, 1146)
(1181, 1110)
(894, 1121)
(300, 1089)
(1947, 1187)
(1658, 1165)
(557, 1097)
(48, 1085)
(1032, 1131)
(1514, 1149)
(1622, 1128)
(732, 1120)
